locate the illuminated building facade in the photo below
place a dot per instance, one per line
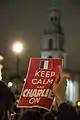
(52, 46)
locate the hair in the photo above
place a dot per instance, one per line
(31, 115)
(48, 116)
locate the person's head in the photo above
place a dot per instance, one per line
(78, 109)
(31, 115)
(48, 116)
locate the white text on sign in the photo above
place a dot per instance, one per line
(47, 74)
(37, 93)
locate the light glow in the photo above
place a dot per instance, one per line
(17, 47)
(78, 103)
(10, 84)
(1, 58)
(24, 79)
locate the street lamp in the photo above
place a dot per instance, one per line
(17, 49)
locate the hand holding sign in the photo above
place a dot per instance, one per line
(59, 87)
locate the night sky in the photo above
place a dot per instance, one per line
(26, 20)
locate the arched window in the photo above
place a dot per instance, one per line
(50, 44)
(49, 56)
(53, 19)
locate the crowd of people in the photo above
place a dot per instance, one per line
(63, 111)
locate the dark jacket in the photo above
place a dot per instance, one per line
(67, 112)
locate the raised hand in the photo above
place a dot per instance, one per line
(59, 87)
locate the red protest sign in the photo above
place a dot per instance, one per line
(37, 90)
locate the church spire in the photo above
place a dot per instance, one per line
(54, 4)
(53, 38)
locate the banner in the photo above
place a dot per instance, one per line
(37, 90)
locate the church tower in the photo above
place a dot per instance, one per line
(52, 45)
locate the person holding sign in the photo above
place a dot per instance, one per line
(64, 112)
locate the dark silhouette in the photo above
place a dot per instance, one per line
(31, 115)
(7, 100)
(48, 116)
(67, 112)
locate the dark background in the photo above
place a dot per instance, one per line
(26, 20)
